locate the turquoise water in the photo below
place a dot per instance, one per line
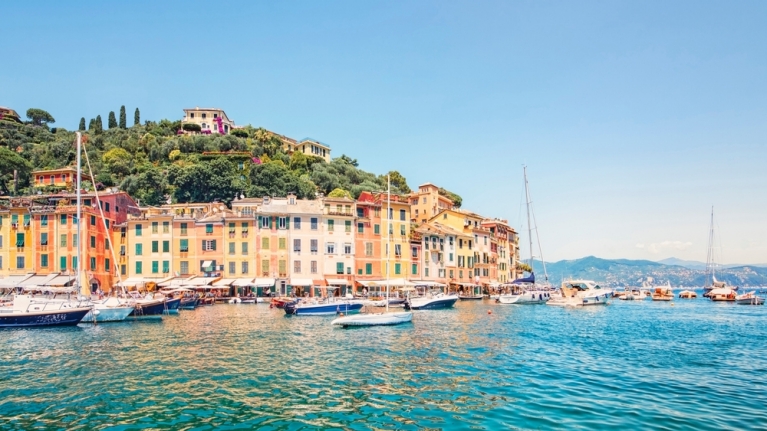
(629, 365)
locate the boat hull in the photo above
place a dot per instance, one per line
(525, 298)
(471, 298)
(65, 317)
(153, 310)
(374, 319)
(297, 309)
(188, 303)
(433, 303)
(109, 314)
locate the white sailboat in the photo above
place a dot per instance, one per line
(525, 290)
(714, 289)
(388, 317)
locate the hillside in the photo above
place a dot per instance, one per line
(155, 164)
(623, 272)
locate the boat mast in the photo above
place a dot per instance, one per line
(78, 277)
(529, 228)
(710, 255)
(388, 226)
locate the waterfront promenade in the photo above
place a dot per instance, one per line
(629, 365)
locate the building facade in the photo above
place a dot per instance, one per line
(210, 120)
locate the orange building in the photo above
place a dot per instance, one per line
(368, 238)
(63, 177)
(427, 202)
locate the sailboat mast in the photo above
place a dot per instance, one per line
(710, 254)
(78, 277)
(388, 227)
(529, 228)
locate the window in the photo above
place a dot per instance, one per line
(123, 269)
(347, 248)
(415, 269)
(43, 239)
(183, 229)
(368, 268)
(426, 272)
(450, 255)
(397, 268)
(348, 225)
(208, 228)
(330, 248)
(402, 215)
(19, 262)
(282, 264)
(450, 241)
(166, 246)
(63, 263)
(184, 267)
(44, 260)
(93, 241)
(244, 248)
(265, 267)
(391, 213)
(184, 246)
(451, 273)
(165, 226)
(460, 273)
(297, 223)
(155, 267)
(106, 265)
(360, 212)
(283, 244)
(265, 243)
(331, 225)
(232, 267)
(391, 229)
(93, 264)
(75, 240)
(106, 243)
(208, 245)
(297, 245)
(74, 262)
(314, 267)
(1, 241)
(339, 268)
(402, 230)
(415, 251)
(138, 268)
(368, 249)
(245, 269)
(264, 222)
(297, 266)
(245, 227)
(360, 228)
(19, 240)
(231, 247)
(155, 247)
(107, 206)
(44, 221)
(63, 219)
(469, 244)
(485, 237)
(165, 266)
(397, 249)
(282, 222)
(138, 229)
(313, 246)
(377, 229)
(155, 226)
(314, 223)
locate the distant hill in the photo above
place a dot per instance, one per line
(694, 264)
(625, 272)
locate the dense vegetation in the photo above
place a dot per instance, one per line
(156, 165)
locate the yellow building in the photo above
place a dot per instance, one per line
(307, 146)
(208, 119)
(427, 202)
(395, 241)
(470, 227)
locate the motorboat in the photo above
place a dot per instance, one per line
(26, 311)
(662, 294)
(471, 297)
(149, 307)
(687, 294)
(749, 298)
(314, 307)
(109, 310)
(279, 302)
(628, 295)
(525, 291)
(432, 301)
(374, 319)
(580, 293)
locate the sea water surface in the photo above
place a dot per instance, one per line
(691, 364)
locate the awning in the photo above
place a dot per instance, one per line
(224, 282)
(200, 281)
(207, 263)
(131, 282)
(468, 284)
(61, 280)
(264, 282)
(338, 282)
(14, 280)
(241, 282)
(426, 283)
(300, 281)
(38, 280)
(394, 282)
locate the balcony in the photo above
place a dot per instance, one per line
(231, 234)
(340, 213)
(244, 234)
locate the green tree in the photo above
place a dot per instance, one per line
(82, 124)
(112, 120)
(397, 181)
(457, 200)
(339, 193)
(218, 179)
(150, 187)
(136, 118)
(275, 179)
(122, 117)
(10, 161)
(349, 160)
(92, 124)
(99, 125)
(38, 117)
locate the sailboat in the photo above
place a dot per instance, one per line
(388, 317)
(714, 289)
(525, 291)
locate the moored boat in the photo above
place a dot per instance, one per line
(687, 294)
(662, 294)
(749, 298)
(374, 319)
(432, 301)
(28, 312)
(321, 308)
(575, 293)
(109, 310)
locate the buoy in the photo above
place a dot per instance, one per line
(489, 312)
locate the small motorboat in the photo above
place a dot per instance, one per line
(26, 311)
(471, 297)
(280, 302)
(575, 293)
(662, 294)
(749, 298)
(313, 307)
(432, 301)
(374, 319)
(687, 294)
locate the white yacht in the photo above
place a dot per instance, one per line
(575, 293)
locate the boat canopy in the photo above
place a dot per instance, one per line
(530, 279)
(338, 282)
(130, 282)
(200, 281)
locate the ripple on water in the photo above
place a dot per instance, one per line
(638, 365)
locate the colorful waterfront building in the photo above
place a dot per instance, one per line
(439, 252)
(63, 177)
(273, 254)
(469, 225)
(368, 246)
(208, 119)
(338, 226)
(505, 249)
(395, 246)
(427, 202)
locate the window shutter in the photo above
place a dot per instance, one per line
(287, 222)
(203, 245)
(272, 222)
(213, 244)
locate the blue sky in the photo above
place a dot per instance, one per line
(634, 118)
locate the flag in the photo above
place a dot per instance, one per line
(256, 160)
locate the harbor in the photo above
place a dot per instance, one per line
(628, 365)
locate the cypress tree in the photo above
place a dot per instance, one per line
(122, 117)
(99, 126)
(112, 120)
(136, 118)
(92, 124)
(82, 124)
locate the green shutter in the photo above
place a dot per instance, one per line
(368, 268)
(213, 244)
(287, 222)
(63, 263)
(340, 268)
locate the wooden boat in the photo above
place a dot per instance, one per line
(749, 298)
(662, 294)
(687, 294)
